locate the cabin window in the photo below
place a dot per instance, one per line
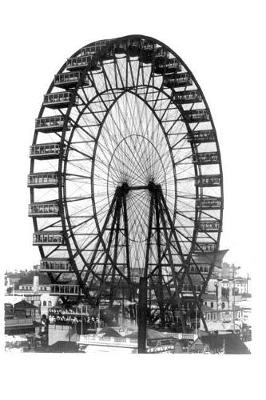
(44, 303)
(211, 304)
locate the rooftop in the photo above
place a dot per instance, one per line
(212, 296)
(230, 342)
(23, 304)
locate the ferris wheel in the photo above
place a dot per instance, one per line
(126, 178)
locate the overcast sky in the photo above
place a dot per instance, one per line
(221, 42)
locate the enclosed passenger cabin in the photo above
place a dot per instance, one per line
(130, 47)
(88, 51)
(201, 115)
(205, 247)
(67, 290)
(209, 203)
(146, 54)
(133, 47)
(78, 63)
(204, 136)
(54, 123)
(147, 45)
(166, 66)
(177, 80)
(94, 48)
(55, 265)
(69, 80)
(48, 238)
(208, 180)
(211, 157)
(58, 99)
(188, 96)
(45, 151)
(108, 56)
(160, 55)
(43, 179)
(209, 226)
(120, 47)
(44, 209)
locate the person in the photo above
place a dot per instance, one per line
(43, 324)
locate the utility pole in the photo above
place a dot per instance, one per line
(142, 316)
(234, 296)
(247, 282)
(196, 320)
(99, 316)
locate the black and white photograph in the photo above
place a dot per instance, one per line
(133, 198)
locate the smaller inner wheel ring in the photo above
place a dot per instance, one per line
(139, 171)
(126, 179)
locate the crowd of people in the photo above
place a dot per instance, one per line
(69, 317)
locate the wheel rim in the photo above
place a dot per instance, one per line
(126, 123)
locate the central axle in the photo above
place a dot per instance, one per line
(125, 188)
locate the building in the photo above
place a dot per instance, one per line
(225, 343)
(226, 303)
(23, 309)
(32, 287)
(22, 317)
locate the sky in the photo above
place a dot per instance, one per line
(218, 41)
(222, 42)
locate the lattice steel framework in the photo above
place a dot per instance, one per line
(126, 179)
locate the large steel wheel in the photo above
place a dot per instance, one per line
(126, 178)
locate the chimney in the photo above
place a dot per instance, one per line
(35, 285)
(219, 293)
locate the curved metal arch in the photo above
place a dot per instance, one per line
(98, 55)
(138, 36)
